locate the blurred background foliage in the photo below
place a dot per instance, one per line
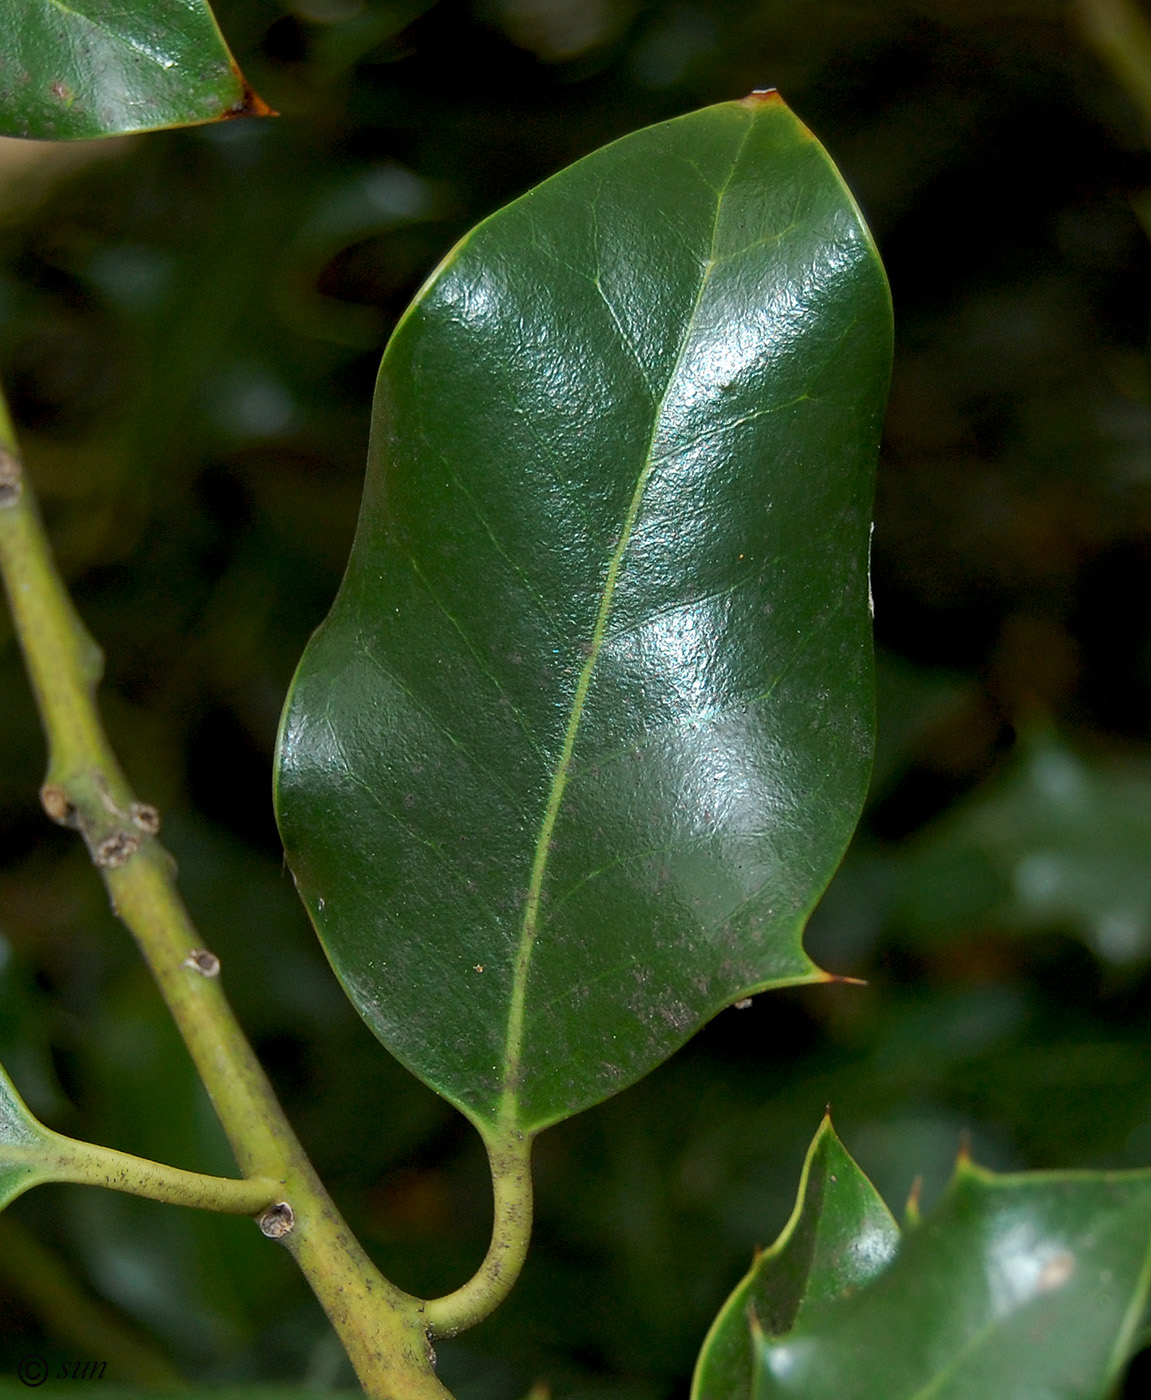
(190, 325)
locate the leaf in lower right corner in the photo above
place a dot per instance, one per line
(1016, 1288)
(92, 69)
(839, 1237)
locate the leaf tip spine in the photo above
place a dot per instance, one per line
(761, 97)
(964, 1163)
(248, 104)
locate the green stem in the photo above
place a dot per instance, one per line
(381, 1327)
(510, 1157)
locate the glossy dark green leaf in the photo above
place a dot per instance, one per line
(20, 1136)
(590, 722)
(97, 68)
(1027, 1287)
(839, 1237)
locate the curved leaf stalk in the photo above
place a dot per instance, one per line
(40, 1155)
(510, 1158)
(381, 1327)
(86, 1164)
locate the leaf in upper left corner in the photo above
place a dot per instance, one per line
(839, 1237)
(94, 68)
(20, 1136)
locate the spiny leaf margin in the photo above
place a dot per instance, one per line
(1015, 1286)
(839, 1236)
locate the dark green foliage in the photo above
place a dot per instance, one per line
(839, 1237)
(590, 724)
(1059, 838)
(1013, 1287)
(191, 331)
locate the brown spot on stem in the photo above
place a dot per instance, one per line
(116, 850)
(55, 802)
(11, 479)
(146, 817)
(277, 1221)
(202, 961)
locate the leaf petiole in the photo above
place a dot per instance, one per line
(509, 1153)
(65, 1159)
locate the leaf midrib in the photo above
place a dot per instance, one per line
(529, 926)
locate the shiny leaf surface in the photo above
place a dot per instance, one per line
(839, 1237)
(94, 68)
(1015, 1288)
(590, 722)
(19, 1132)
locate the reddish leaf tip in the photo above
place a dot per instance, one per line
(248, 104)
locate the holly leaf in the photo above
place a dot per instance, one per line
(97, 68)
(839, 1237)
(1015, 1287)
(590, 723)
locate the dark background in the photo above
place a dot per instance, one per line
(190, 325)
